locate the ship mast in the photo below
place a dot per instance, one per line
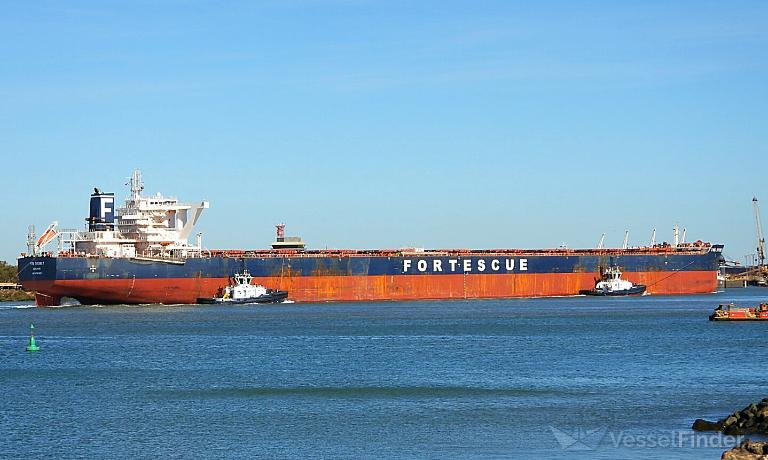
(31, 238)
(676, 234)
(137, 185)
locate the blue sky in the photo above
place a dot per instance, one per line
(369, 124)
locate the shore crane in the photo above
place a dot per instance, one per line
(759, 235)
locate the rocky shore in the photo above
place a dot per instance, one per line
(747, 450)
(753, 419)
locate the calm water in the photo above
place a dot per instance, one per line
(371, 380)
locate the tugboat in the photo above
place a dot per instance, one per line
(611, 284)
(242, 291)
(730, 312)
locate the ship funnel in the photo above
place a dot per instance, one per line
(102, 215)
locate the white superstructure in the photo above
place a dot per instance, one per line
(612, 281)
(243, 289)
(145, 226)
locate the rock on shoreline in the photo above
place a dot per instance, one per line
(747, 450)
(750, 420)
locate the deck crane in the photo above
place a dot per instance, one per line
(602, 240)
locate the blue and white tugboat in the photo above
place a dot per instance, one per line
(242, 292)
(611, 284)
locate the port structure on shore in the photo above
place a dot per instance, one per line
(757, 274)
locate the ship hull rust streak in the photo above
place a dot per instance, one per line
(367, 288)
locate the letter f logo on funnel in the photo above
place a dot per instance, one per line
(107, 212)
(580, 439)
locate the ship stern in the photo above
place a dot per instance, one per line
(38, 274)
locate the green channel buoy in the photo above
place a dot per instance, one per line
(32, 345)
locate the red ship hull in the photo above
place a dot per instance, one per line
(366, 288)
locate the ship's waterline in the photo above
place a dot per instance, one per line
(168, 286)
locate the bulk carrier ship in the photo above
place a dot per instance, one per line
(140, 254)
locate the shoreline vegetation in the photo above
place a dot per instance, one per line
(8, 274)
(15, 295)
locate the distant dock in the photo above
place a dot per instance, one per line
(10, 287)
(747, 276)
(735, 283)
